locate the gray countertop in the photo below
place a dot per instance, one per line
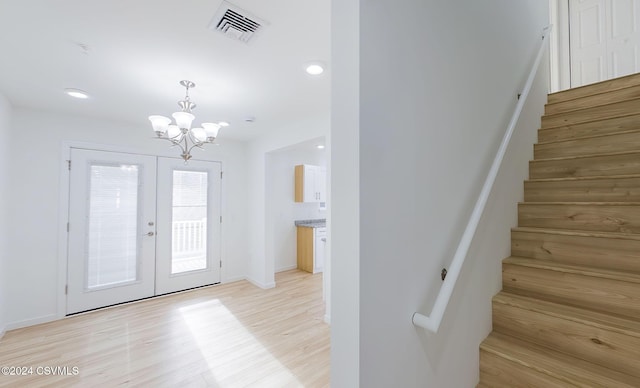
(318, 223)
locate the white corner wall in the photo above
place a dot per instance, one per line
(437, 85)
(36, 220)
(5, 162)
(283, 211)
(343, 223)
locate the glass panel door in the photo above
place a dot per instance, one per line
(111, 229)
(189, 221)
(188, 245)
(112, 257)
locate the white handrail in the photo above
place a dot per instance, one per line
(432, 322)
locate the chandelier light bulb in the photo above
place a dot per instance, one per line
(183, 119)
(173, 131)
(211, 129)
(199, 134)
(160, 124)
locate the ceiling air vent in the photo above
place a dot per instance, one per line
(236, 23)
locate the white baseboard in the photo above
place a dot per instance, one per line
(234, 279)
(260, 284)
(3, 330)
(287, 268)
(327, 319)
(31, 322)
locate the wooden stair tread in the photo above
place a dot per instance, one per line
(611, 188)
(589, 137)
(580, 130)
(608, 108)
(594, 88)
(583, 203)
(575, 269)
(555, 364)
(599, 320)
(588, 156)
(585, 178)
(620, 217)
(580, 233)
(619, 163)
(596, 144)
(594, 99)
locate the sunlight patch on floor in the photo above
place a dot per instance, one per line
(217, 333)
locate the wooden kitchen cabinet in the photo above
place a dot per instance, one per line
(311, 248)
(310, 183)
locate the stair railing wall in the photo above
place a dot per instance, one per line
(433, 320)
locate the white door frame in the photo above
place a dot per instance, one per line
(559, 50)
(63, 213)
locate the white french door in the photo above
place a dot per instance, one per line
(188, 253)
(140, 226)
(111, 204)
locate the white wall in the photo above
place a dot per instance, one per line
(5, 162)
(34, 197)
(438, 82)
(261, 267)
(282, 211)
(343, 221)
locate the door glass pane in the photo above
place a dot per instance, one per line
(113, 225)
(189, 222)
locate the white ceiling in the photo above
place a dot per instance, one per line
(138, 51)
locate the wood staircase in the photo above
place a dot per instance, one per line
(569, 311)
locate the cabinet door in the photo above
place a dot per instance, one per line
(310, 183)
(310, 177)
(319, 249)
(321, 184)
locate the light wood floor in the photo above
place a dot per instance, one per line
(233, 335)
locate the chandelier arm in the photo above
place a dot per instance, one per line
(173, 141)
(185, 140)
(196, 143)
(177, 137)
(195, 146)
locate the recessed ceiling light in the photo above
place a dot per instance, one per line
(320, 146)
(223, 124)
(77, 93)
(315, 69)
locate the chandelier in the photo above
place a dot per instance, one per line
(181, 134)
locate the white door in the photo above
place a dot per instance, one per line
(188, 241)
(112, 213)
(604, 39)
(118, 206)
